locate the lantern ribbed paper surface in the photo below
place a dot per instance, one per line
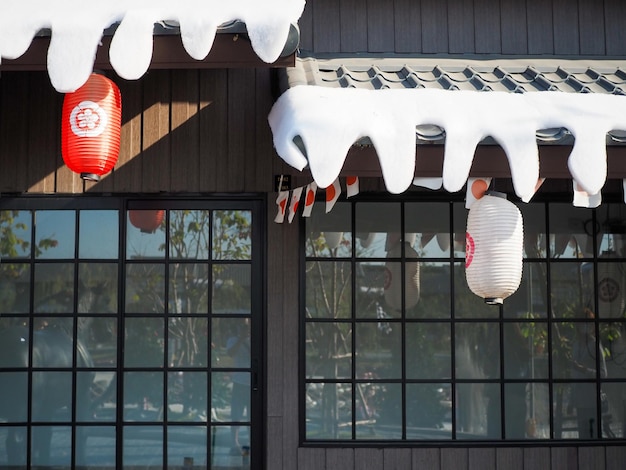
(493, 248)
(393, 278)
(91, 127)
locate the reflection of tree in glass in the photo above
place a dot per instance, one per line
(328, 296)
(13, 276)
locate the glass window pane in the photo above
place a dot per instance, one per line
(429, 224)
(102, 394)
(13, 394)
(429, 411)
(98, 234)
(60, 451)
(231, 288)
(230, 396)
(611, 228)
(189, 234)
(537, 410)
(14, 340)
(381, 221)
(434, 293)
(328, 350)
(478, 411)
(477, 354)
(99, 336)
(142, 447)
(378, 351)
(53, 342)
(519, 405)
(611, 288)
(14, 288)
(534, 230)
(97, 288)
(576, 412)
(613, 344)
(329, 234)
(187, 447)
(428, 351)
(370, 281)
(379, 411)
(232, 235)
(223, 453)
(143, 342)
(612, 409)
(188, 342)
(145, 288)
(16, 438)
(329, 410)
(525, 350)
(143, 396)
(571, 231)
(55, 234)
(530, 299)
(188, 288)
(52, 396)
(401, 289)
(145, 236)
(15, 239)
(328, 289)
(54, 288)
(571, 288)
(517, 349)
(187, 396)
(99, 450)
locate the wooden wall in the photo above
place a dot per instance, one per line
(509, 27)
(183, 131)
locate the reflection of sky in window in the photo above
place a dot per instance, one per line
(98, 234)
(59, 228)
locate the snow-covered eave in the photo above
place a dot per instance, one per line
(326, 122)
(76, 31)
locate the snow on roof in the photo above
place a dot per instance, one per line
(314, 126)
(77, 28)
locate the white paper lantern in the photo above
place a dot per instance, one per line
(494, 248)
(393, 278)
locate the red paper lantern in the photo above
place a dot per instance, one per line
(91, 127)
(146, 220)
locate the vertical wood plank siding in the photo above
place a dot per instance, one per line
(182, 131)
(512, 27)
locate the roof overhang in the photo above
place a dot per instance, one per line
(453, 118)
(71, 39)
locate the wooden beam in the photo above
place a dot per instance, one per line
(230, 50)
(489, 160)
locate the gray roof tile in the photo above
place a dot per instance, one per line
(521, 75)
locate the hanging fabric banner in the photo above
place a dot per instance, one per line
(332, 194)
(352, 186)
(295, 202)
(281, 202)
(309, 199)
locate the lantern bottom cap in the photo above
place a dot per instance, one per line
(493, 300)
(90, 176)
